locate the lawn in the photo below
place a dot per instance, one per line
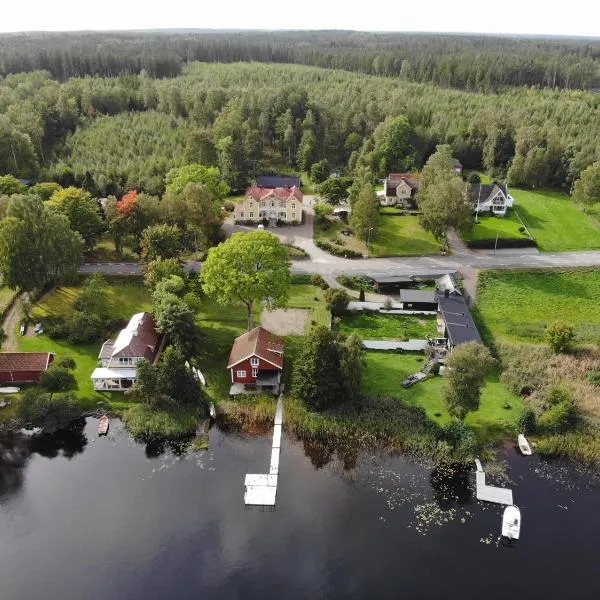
(555, 221)
(488, 227)
(312, 298)
(396, 236)
(386, 371)
(381, 326)
(402, 236)
(104, 251)
(6, 295)
(517, 306)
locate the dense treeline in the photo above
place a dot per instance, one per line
(114, 134)
(466, 62)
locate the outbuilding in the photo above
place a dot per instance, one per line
(23, 367)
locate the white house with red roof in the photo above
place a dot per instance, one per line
(256, 362)
(280, 204)
(118, 358)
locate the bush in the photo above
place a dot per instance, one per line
(302, 278)
(560, 336)
(51, 414)
(474, 178)
(57, 379)
(559, 418)
(85, 328)
(526, 421)
(318, 281)
(522, 229)
(387, 304)
(356, 282)
(336, 250)
(337, 301)
(557, 394)
(594, 378)
(490, 243)
(461, 437)
(229, 206)
(66, 363)
(55, 327)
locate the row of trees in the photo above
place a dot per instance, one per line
(467, 62)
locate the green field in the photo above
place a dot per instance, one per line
(311, 298)
(488, 227)
(396, 236)
(386, 371)
(402, 236)
(555, 221)
(388, 327)
(517, 306)
(6, 295)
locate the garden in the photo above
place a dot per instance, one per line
(381, 326)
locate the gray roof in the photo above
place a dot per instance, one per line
(487, 190)
(390, 278)
(268, 181)
(428, 296)
(460, 326)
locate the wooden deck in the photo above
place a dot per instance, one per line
(261, 489)
(490, 493)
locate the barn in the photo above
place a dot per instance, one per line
(23, 367)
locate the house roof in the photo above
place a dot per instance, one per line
(25, 361)
(268, 181)
(257, 342)
(138, 339)
(457, 163)
(390, 278)
(428, 296)
(482, 192)
(460, 326)
(281, 193)
(102, 373)
(394, 179)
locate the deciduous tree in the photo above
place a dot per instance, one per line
(161, 241)
(560, 336)
(587, 187)
(249, 268)
(364, 217)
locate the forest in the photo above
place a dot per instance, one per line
(469, 62)
(113, 134)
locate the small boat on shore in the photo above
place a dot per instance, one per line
(103, 425)
(524, 446)
(511, 523)
(9, 390)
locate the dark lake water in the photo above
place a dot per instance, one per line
(89, 518)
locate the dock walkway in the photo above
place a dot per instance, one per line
(261, 489)
(490, 493)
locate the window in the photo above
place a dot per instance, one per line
(263, 215)
(293, 215)
(251, 215)
(282, 215)
(254, 362)
(241, 373)
(272, 204)
(282, 204)
(241, 215)
(263, 203)
(254, 373)
(250, 205)
(293, 206)
(125, 361)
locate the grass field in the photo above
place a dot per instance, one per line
(382, 326)
(517, 306)
(397, 236)
(312, 298)
(487, 227)
(386, 371)
(6, 295)
(555, 221)
(402, 236)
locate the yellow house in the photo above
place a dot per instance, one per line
(270, 204)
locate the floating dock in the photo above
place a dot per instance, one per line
(490, 493)
(261, 489)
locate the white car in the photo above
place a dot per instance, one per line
(261, 226)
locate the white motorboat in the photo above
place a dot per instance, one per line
(524, 446)
(511, 523)
(9, 390)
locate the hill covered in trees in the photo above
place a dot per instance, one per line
(472, 62)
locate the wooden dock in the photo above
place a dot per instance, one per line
(261, 489)
(490, 493)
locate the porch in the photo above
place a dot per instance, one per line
(266, 381)
(113, 380)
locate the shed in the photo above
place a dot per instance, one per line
(459, 325)
(23, 367)
(418, 299)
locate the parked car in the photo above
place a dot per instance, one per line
(23, 328)
(261, 226)
(38, 328)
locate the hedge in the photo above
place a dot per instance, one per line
(492, 243)
(337, 250)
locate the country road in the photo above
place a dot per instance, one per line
(325, 264)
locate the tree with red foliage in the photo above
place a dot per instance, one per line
(125, 206)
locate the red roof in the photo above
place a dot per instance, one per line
(257, 342)
(24, 361)
(281, 193)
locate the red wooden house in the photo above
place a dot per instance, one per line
(23, 367)
(256, 362)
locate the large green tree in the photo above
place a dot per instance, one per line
(161, 241)
(249, 268)
(37, 246)
(177, 179)
(442, 196)
(364, 217)
(466, 368)
(334, 189)
(82, 212)
(10, 185)
(587, 187)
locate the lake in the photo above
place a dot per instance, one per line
(82, 517)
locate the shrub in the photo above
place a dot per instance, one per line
(40, 410)
(336, 250)
(318, 281)
(526, 421)
(594, 378)
(557, 394)
(560, 336)
(522, 229)
(559, 417)
(461, 438)
(387, 304)
(474, 178)
(304, 278)
(55, 327)
(490, 243)
(67, 363)
(356, 282)
(229, 206)
(337, 301)
(57, 379)
(85, 328)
